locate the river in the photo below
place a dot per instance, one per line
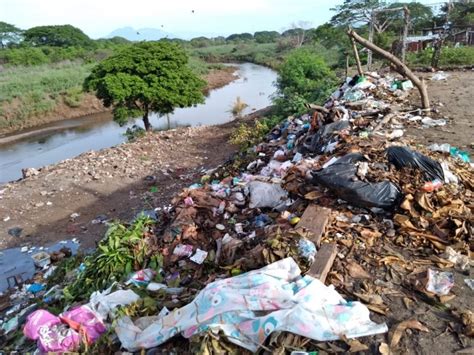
(61, 140)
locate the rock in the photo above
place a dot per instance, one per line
(28, 172)
(39, 204)
(15, 231)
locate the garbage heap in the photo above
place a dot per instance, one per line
(333, 220)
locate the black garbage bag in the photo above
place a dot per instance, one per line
(341, 179)
(324, 136)
(405, 157)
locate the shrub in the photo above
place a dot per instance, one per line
(304, 77)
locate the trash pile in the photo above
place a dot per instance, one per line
(297, 243)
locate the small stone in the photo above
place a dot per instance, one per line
(39, 204)
(6, 219)
(43, 193)
(220, 227)
(49, 203)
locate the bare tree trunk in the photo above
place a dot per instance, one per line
(406, 12)
(371, 39)
(169, 122)
(146, 121)
(400, 67)
(356, 55)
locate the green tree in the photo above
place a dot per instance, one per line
(421, 16)
(240, 37)
(304, 77)
(143, 78)
(462, 13)
(266, 36)
(354, 12)
(57, 36)
(9, 34)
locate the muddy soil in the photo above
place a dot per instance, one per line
(453, 98)
(89, 104)
(113, 183)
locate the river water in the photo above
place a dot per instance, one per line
(54, 142)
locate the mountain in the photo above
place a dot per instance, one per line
(142, 34)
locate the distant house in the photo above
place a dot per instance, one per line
(464, 37)
(418, 43)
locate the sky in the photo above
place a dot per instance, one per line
(97, 18)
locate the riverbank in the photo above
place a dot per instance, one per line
(85, 104)
(113, 183)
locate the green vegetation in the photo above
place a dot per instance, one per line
(123, 250)
(143, 78)
(249, 134)
(36, 90)
(57, 36)
(304, 78)
(449, 57)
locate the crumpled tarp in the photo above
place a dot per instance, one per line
(294, 303)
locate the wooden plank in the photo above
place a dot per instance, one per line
(323, 261)
(314, 221)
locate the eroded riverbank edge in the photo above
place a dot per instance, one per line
(90, 105)
(112, 183)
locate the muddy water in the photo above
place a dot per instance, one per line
(66, 139)
(18, 265)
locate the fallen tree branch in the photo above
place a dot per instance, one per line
(400, 67)
(356, 56)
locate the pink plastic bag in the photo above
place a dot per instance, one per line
(85, 321)
(50, 333)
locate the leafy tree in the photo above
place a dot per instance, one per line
(240, 37)
(9, 34)
(143, 78)
(200, 42)
(354, 12)
(421, 16)
(303, 78)
(266, 36)
(57, 36)
(461, 14)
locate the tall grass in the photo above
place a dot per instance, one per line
(35, 90)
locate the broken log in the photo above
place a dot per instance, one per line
(400, 67)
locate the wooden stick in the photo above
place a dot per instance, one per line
(400, 67)
(356, 56)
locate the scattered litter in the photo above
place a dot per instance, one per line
(183, 250)
(470, 283)
(199, 256)
(440, 76)
(429, 122)
(439, 282)
(460, 261)
(264, 194)
(142, 277)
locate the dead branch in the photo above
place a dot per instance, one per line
(356, 55)
(400, 67)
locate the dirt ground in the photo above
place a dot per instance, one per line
(116, 183)
(89, 104)
(453, 98)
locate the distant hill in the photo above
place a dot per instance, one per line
(142, 34)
